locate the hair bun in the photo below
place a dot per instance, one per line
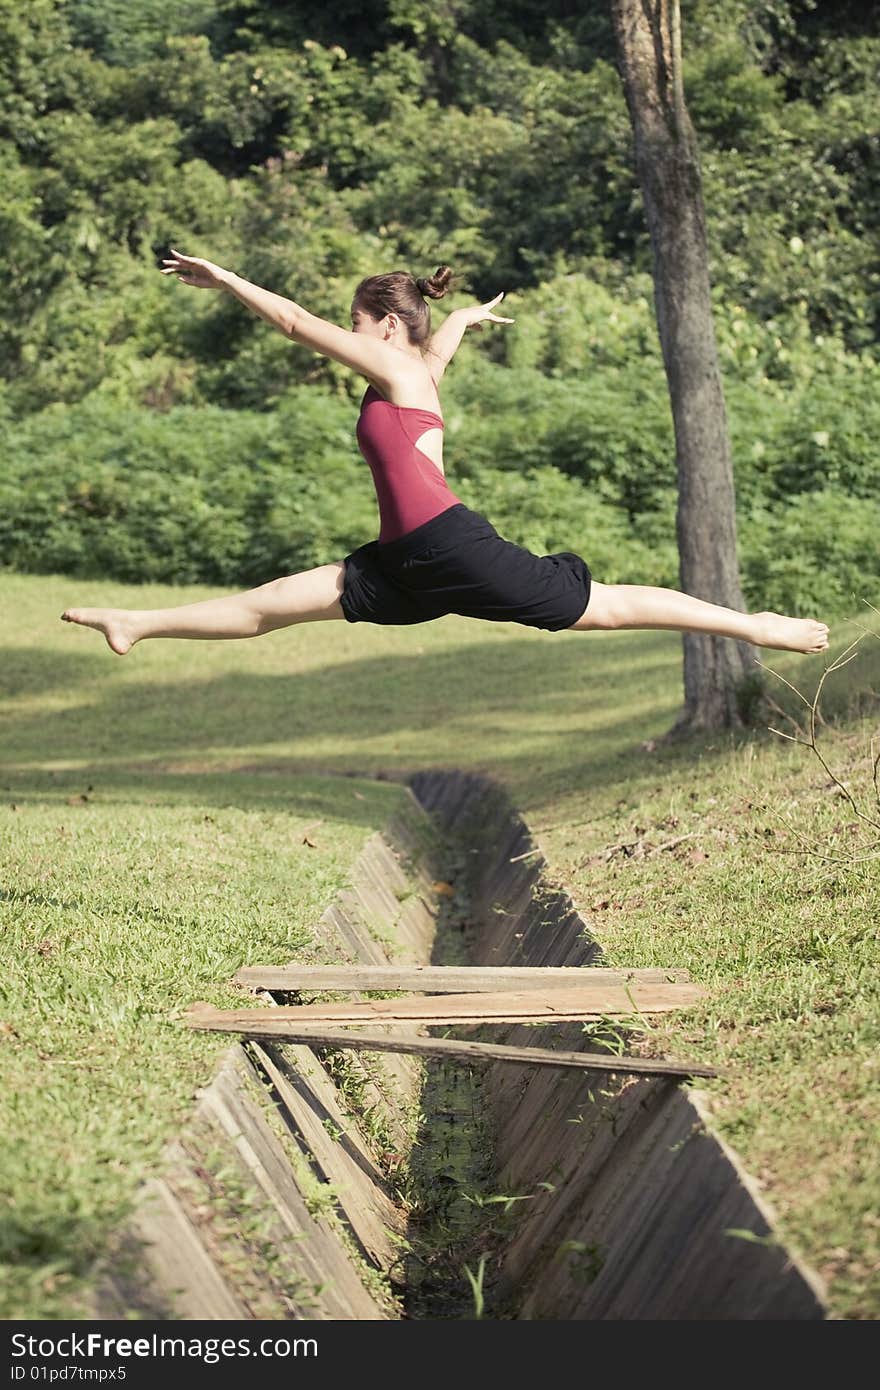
(436, 285)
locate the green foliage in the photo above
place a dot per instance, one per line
(547, 512)
(120, 32)
(225, 498)
(819, 554)
(730, 99)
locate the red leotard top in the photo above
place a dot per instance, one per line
(410, 488)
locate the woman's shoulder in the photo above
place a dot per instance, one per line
(412, 387)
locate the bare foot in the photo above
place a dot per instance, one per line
(116, 624)
(790, 634)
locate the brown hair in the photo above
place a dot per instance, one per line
(399, 293)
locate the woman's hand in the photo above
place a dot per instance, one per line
(190, 270)
(482, 313)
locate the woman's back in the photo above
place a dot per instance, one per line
(403, 446)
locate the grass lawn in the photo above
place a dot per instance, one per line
(152, 815)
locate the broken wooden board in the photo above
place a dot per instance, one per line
(270, 1024)
(335, 1147)
(508, 1006)
(441, 979)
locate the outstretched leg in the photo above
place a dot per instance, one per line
(641, 606)
(298, 598)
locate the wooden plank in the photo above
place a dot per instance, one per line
(440, 979)
(511, 1006)
(303, 1065)
(331, 1284)
(177, 1260)
(367, 1206)
(272, 1026)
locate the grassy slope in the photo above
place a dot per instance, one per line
(205, 761)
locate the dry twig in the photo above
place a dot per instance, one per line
(807, 739)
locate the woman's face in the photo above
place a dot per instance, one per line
(362, 322)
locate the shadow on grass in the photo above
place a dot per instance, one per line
(27, 898)
(546, 717)
(298, 792)
(32, 670)
(542, 714)
(358, 701)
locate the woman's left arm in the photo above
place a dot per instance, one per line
(373, 358)
(446, 341)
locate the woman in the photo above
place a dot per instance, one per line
(433, 555)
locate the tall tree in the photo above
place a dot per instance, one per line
(648, 36)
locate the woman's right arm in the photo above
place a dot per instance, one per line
(371, 357)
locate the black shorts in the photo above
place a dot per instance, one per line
(458, 563)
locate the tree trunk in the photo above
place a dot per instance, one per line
(649, 47)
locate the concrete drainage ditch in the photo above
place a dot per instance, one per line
(341, 1185)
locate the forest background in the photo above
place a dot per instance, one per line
(153, 433)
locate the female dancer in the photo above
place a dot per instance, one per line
(433, 555)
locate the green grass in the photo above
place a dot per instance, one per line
(157, 843)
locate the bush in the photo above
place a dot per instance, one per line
(610, 428)
(236, 497)
(546, 511)
(818, 556)
(194, 495)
